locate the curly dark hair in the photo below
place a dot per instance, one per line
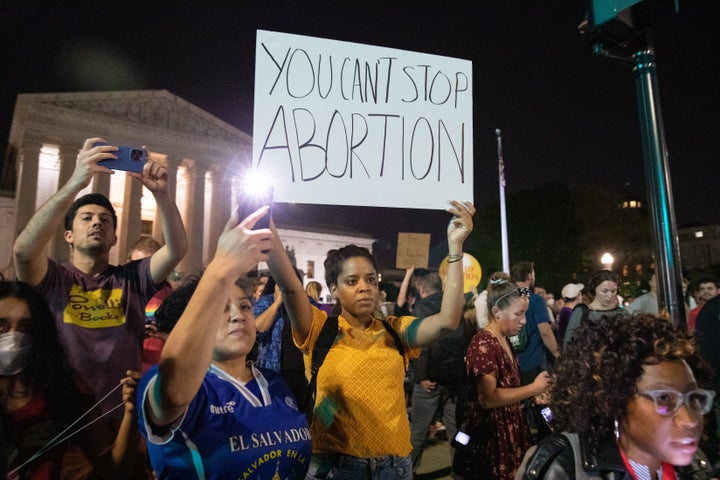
(336, 259)
(596, 376)
(170, 310)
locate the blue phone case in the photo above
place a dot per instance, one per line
(129, 159)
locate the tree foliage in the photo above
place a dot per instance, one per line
(564, 231)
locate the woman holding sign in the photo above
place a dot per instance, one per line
(360, 428)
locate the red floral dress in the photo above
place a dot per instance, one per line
(502, 432)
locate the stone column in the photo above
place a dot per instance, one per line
(221, 203)
(67, 159)
(171, 165)
(192, 263)
(27, 183)
(131, 219)
(101, 184)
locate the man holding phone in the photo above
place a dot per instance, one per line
(98, 307)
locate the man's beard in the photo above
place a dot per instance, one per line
(93, 248)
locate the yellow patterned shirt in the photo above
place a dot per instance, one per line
(360, 401)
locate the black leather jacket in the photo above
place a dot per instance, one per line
(554, 460)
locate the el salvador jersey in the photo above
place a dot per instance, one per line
(230, 430)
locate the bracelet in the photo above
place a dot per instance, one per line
(455, 257)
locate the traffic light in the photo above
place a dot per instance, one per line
(621, 21)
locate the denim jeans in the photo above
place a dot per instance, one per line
(337, 466)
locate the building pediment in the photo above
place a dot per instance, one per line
(150, 108)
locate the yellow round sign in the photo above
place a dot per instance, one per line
(472, 272)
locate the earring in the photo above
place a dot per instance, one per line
(616, 430)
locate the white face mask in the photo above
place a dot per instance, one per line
(14, 352)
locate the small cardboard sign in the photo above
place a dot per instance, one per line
(413, 250)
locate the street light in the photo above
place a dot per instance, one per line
(607, 260)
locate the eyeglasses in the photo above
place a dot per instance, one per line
(518, 292)
(667, 402)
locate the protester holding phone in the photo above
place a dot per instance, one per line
(626, 387)
(495, 422)
(129, 159)
(206, 410)
(98, 307)
(256, 193)
(360, 428)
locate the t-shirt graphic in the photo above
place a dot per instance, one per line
(95, 309)
(231, 430)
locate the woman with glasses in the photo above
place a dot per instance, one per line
(495, 420)
(626, 386)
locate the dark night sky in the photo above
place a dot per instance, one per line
(565, 115)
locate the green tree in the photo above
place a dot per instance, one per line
(623, 232)
(564, 231)
(541, 228)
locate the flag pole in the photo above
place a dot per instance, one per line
(503, 215)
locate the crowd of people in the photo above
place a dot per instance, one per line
(133, 371)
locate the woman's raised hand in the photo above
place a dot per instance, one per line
(461, 224)
(240, 248)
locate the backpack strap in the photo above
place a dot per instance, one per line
(575, 444)
(325, 340)
(585, 313)
(580, 473)
(398, 342)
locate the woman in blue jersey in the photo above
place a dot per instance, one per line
(360, 428)
(206, 410)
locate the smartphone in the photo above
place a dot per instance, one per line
(129, 159)
(252, 199)
(461, 438)
(548, 416)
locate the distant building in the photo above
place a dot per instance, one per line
(206, 158)
(628, 198)
(699, 246)
(310, 246)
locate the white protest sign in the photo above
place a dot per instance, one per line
(348, 124)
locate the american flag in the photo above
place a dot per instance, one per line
(501, 162)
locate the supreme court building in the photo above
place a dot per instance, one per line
(205, 157)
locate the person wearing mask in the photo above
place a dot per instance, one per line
(42, 398)
(99, 308)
